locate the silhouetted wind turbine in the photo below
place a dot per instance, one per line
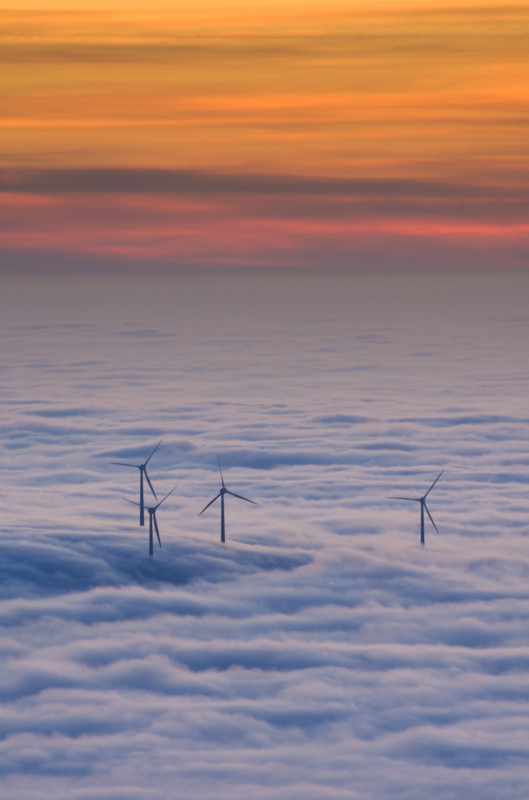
(422, 501)
(153, 524)
(143, 471)
(221, 494)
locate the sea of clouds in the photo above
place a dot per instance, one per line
(321, 653)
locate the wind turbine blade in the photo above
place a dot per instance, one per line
(149, 482)
(241, 497)
(153, 452)
(220, 470)
(122, 464)
(431, 518)
(165, 498)
(134, 503)
(433, 484)
(392, 497)
(210, 503)
(156, 529)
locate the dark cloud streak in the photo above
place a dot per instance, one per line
(103, 180)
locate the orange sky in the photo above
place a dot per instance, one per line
(272, 133)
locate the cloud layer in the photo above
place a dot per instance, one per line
(321, 653)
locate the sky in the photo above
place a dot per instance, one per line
(363, 136)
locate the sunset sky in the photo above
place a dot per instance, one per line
(348, 134)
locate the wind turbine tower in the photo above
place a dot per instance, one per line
(143, 472)
(424, 507)
(223, 491)
(153, 523)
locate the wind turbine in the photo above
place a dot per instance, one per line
(143, 471)
(422, 501)
(153, 524)
(221, 494)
